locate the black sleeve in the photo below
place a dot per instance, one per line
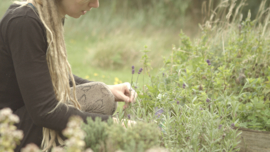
(78, 81)
(27, 44)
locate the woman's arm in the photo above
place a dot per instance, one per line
(27, 44)
(78, 81)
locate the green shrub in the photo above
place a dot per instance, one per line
(96, 133)
(110, 137)
(137, 138)
(212, 85)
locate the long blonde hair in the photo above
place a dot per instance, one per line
(56, 55)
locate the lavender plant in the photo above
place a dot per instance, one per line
(110, 137)
(212, 86)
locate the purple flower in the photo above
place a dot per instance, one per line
(184, 86)
(178, 102)
(220, 126)
(207, 100)
(133, 70)
(163, 74)
(135, 87)
(232, 125)
(141, 69)
(208, 61)
(201, 108)
(128, 116)
(159, 112)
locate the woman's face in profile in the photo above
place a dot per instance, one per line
(76, 8)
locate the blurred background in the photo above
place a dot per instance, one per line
(104, 44)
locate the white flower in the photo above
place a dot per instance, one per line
(58, 149)
(18, 134)
(5, 112)
(14, 118)
(72, 124)
(31, 148)
(88, 150)
(68, 132)
(159, 96)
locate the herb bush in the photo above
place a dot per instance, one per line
(211, 86)
(110, 137)
(208, 87)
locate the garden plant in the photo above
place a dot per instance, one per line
(206, 90)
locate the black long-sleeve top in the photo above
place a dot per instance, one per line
(24, 75)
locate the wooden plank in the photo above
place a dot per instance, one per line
(254, 141)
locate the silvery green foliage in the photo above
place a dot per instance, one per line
(194, 129)
(96, 133)
(111, 137)
(137, 138)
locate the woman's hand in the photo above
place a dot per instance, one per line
(129, 122)
(123, 92)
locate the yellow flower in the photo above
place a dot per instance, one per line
(87, 77)
(103, 76)
(120, 81)
(95, 74)
(116, 79)
(115, 83)
(72, 41)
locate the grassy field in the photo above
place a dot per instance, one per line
(103, 47)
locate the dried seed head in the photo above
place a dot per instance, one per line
(200, 88)
(241, 79)
(240, 27)
(239, 55)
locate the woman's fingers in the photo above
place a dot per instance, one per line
(129, 122)
(130, 92)
(133, 96)
(123, 92)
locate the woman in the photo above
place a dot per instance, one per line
(35, 76)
